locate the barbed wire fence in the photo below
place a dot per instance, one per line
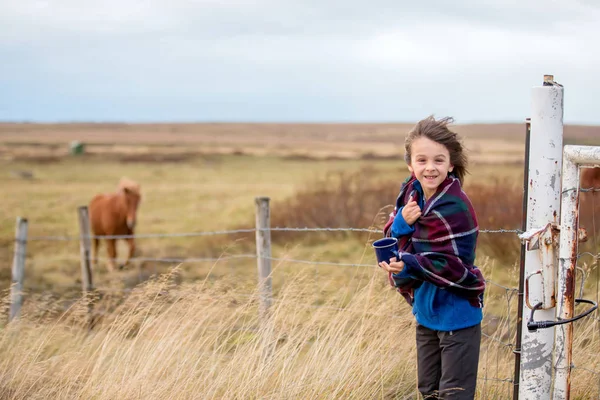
(498, 329)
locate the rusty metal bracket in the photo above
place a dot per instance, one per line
(531, 238)
(538, 272)
(546, 235)
(545, 241)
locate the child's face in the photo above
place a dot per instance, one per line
(430, 162)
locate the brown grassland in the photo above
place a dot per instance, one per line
(170, 329)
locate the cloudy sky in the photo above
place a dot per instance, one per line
(303, 60)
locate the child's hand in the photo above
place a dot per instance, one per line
(393, 267)
(411, 211)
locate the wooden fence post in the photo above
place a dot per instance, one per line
(18, 269)
(85, 246)
(263, 256)
(265, 287)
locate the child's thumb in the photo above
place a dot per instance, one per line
(412, 196)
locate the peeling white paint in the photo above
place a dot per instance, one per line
(546, 142)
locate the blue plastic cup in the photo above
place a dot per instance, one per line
(385, 249)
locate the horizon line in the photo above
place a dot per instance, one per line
(263, 122)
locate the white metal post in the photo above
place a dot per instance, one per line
(545, 161)
(573, 157)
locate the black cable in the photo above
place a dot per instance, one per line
(535, 325)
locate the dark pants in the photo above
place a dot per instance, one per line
(447, 362)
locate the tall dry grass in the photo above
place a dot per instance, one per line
(334, 334)
(194, 341)
(189, 341)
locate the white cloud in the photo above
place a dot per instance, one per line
(365, 59)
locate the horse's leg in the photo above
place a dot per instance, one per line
(131, 243)
(112, 253)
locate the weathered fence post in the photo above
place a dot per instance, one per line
(543, 208)
(85, 246)
(573, 158)
(263, 256)
(265, 287)
(18, 269)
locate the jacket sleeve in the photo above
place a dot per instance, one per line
(399, 226)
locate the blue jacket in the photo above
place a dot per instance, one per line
(433, 307)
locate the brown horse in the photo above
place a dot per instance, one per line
(115, 214)
(590, 178)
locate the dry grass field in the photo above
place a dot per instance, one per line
(190, 329)
(173, 142)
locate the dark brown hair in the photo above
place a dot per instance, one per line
(438, 131)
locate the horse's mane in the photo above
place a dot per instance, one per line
(126, 183)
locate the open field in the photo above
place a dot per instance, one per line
(194, 329)
(253, 133)
(487, 143)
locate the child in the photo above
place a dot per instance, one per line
(437, 230)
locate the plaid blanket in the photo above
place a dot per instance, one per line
(441, 250)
